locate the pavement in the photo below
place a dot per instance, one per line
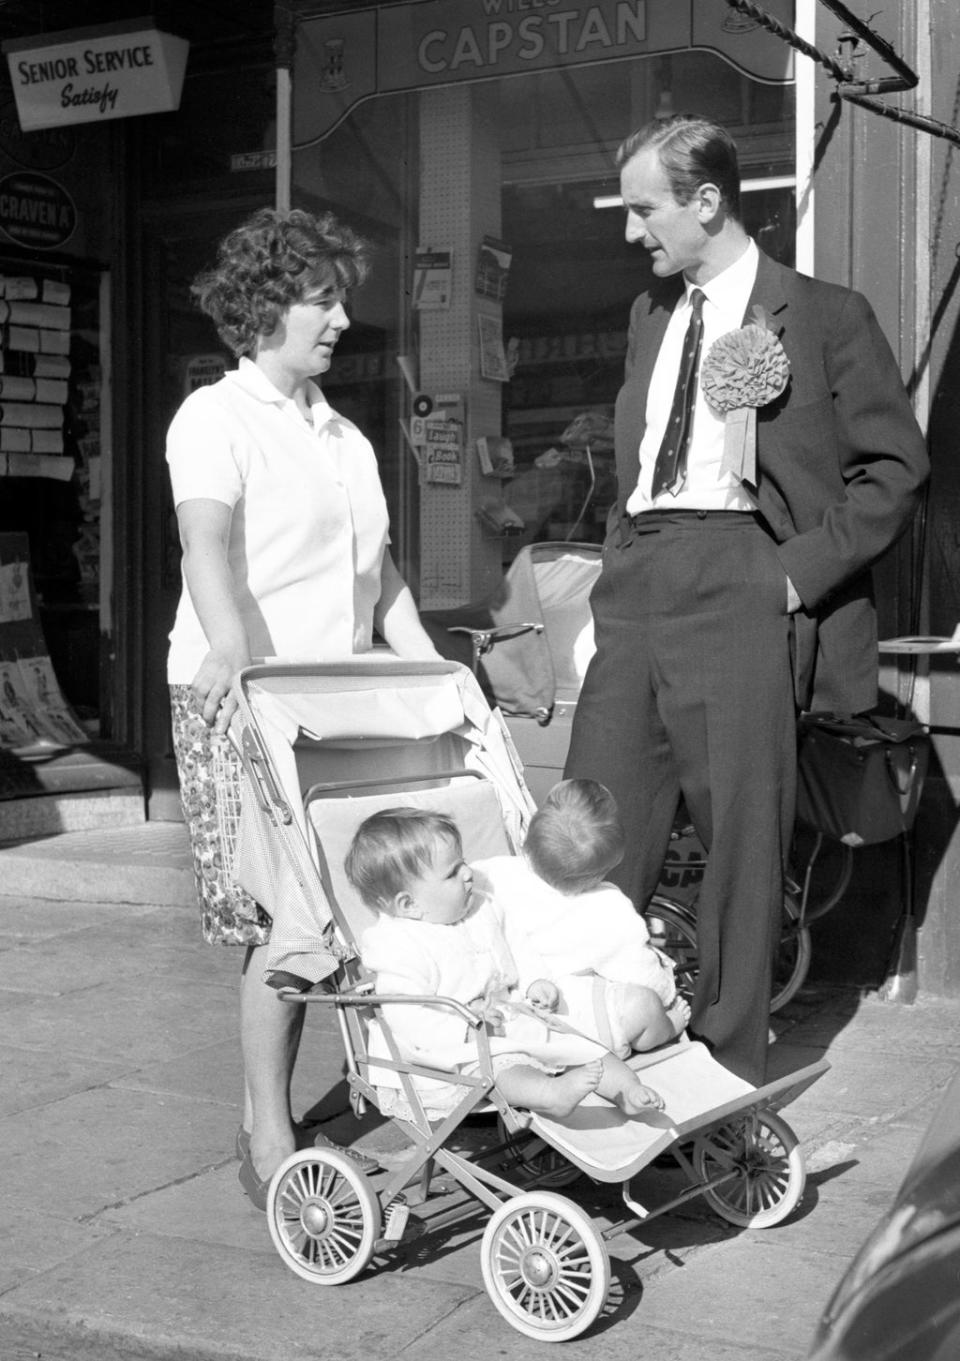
(125, 1235)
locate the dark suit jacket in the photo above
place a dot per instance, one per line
(840, 465)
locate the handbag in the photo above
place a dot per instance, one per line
(859, 778)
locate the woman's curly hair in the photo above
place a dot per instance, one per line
(271, 261)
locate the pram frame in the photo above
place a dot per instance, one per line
(482, 1089)
(512, 1205)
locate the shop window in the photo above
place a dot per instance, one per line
(573, 276)
(51, 459)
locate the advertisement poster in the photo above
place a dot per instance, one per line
(432, 279)
(47, 701)
(14, 592)
(493, 358)
(443, 452)
(493, 268)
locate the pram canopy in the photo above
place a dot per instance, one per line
(547, 588)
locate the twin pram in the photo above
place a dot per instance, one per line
(324, 746)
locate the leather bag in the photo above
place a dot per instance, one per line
(860, 777)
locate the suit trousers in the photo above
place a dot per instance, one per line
(690, 692)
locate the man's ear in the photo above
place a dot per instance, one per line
(404, 905)
(708, 202)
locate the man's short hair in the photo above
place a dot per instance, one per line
(693, 151)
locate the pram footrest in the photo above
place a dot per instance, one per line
(698, 1092)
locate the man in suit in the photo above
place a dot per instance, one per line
(733, 593)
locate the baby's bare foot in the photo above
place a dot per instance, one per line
(678, 1014)
(638, 1099)
(568, 1089)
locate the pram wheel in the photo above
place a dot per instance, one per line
(545, 1266)
(770, 1174)
(535, 1162)
(323, 1215)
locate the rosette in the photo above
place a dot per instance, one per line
(743, 369)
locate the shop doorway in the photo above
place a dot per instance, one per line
(181, 350)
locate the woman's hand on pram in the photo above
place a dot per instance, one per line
(213, 683)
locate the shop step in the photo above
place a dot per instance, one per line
(45, 815)
(148, 863)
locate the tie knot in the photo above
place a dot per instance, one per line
(697, 299)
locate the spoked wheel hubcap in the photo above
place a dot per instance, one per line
(316, 1217)
(539, 1269)
(321, 1207)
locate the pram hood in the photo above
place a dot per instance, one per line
(547, 585)
(366, 708)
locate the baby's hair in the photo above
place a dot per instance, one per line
(393, 847)
(576, 836)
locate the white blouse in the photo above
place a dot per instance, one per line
(309, 525)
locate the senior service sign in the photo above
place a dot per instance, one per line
(342, 59)
(95, 74)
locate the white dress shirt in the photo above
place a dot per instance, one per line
(704, 488)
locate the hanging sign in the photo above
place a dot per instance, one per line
(90, 75)
(347, 57)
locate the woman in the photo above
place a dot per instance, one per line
(284, 531)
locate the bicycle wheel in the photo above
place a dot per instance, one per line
(820, 868)
(673, 929)
(792, 959)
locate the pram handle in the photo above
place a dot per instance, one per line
(271, 800)
(483, 639)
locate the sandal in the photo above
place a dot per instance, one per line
(362, 1162)
(255, 1189)
(303, 1133)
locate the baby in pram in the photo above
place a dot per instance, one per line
(436, 937)
(582, 950)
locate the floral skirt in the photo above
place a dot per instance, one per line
(210, 782)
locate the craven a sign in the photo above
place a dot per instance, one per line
(35, 210)
(90, 75)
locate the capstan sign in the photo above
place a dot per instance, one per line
(95, 74)
(361, 51)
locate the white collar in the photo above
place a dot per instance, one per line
(253, 380)
(730, 290)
